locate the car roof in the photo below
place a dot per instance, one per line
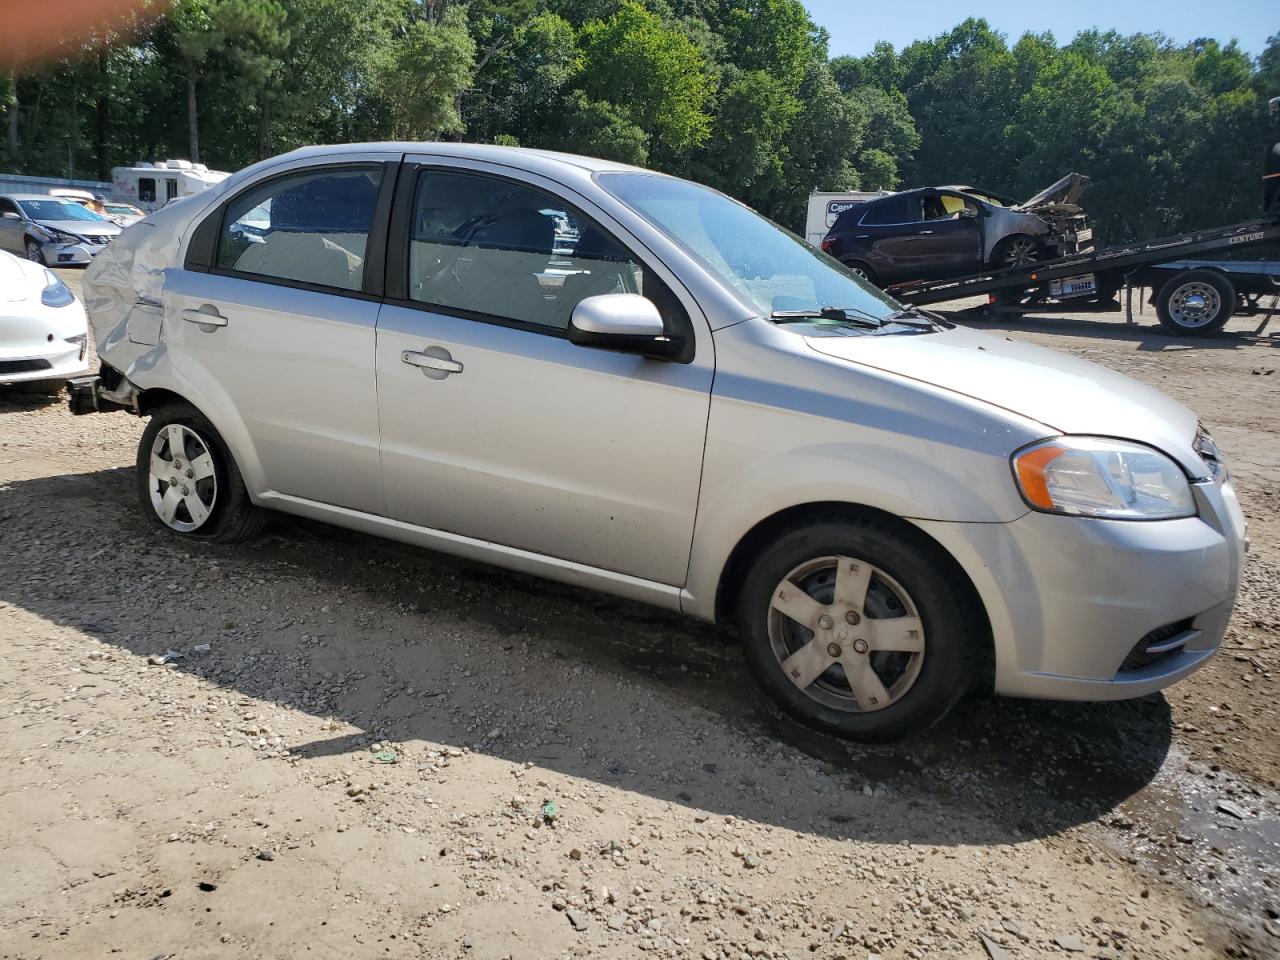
(31, 196)
(472, 151)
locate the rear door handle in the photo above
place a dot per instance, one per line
(207, 314)
(432, 360)
(924, 233)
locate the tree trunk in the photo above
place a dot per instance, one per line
(102, 147)
(264, 127)
(11, 108)
(193, 120)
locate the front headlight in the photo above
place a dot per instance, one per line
(56, 293)
(1095, 477)
(61, 236)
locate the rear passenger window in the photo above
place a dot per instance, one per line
(893, 210)
(309, 228)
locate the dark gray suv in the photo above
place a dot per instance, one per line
(938, 232)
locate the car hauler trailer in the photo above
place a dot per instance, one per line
(1193, 300)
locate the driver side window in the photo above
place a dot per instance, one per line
(498, 249)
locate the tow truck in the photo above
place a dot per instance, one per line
(1194, 295)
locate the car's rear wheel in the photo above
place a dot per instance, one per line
(1196, 303)
(1017, 251)
(188, 481)
(34, 253)
(860, 269)
(858, 628)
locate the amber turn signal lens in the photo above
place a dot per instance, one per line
(1030, 467)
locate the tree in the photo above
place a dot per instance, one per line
(419, 78)
(653, 74)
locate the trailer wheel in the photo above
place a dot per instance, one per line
(1196, 303)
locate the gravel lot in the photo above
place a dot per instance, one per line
(369, 750)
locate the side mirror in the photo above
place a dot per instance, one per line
(968, 214)
(623, 322)
(10, 215)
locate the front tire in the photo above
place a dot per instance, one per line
(856, 627)
(34, 253)
(1017, 252)
(188, 482)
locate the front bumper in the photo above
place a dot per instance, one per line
(66, 361)
(1069, 599)
(70, 254)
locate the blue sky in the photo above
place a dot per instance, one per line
(856, 26)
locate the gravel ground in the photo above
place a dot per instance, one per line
(366, 750)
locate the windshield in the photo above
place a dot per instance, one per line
(54, 209)
(122, 210)
(771, 269)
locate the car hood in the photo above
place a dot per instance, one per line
(16, 278)
(1065, 394)
(83, 228)
(1065, 192)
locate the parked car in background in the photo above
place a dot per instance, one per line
(43, 332)
(124, 214)
(52, 230)
(623, 380)
(938, 232)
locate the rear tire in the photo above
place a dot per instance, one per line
(188, 482)
(1196, 303)
(860, 269)
(857, 627)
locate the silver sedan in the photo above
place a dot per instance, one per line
(619, 379)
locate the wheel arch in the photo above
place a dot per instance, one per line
(216, 407)
(998, 247)
(738, 563)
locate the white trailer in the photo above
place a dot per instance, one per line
(824, 207)
(152, 185)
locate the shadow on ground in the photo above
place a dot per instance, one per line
(576, 682)
(1149, 337)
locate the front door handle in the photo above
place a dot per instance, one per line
(207, 315)
(924, 233)
(435, 362)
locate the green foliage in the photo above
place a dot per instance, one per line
(739, 94)
(652, 73)
(419, 79)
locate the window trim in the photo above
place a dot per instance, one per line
(396, 291)
(371, 284)
(901, 223)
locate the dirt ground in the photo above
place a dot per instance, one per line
(368, 750)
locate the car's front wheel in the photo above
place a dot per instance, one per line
(188, 481)
(857, 627)
(1018, 251)
(34, 253)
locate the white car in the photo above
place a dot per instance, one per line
(43, 332)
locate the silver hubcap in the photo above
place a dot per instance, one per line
(1020, 253)
(846, 633)
(33, 252)
(182, 481)
(1194, 304)
(858, 272)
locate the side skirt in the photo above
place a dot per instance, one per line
(553, 568)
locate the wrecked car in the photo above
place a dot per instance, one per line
(629, 382)
(935, 233)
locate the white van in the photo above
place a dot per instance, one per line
(152, 185)
(825, 207)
